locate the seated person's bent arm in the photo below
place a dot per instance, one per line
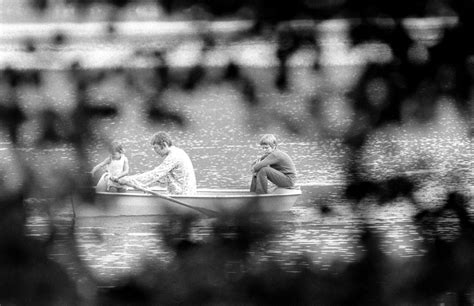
(267, 161)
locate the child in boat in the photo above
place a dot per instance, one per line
(274, 165)
(116, 166)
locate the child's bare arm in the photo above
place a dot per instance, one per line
(100, 165)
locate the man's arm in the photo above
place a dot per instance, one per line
(152, 176)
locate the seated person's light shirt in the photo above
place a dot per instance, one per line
(176, 171)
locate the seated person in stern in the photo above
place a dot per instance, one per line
(176, 170)
(273, 165)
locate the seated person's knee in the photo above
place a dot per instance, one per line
(263, 171)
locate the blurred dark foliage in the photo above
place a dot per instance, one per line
(220, 271)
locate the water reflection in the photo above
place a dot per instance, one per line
(113, 247)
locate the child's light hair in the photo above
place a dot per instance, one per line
(268, 139)
(116, 146)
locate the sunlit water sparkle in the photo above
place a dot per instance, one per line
(221, 138)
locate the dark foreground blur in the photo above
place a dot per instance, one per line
(404, 81)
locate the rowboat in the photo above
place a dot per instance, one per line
(136, 203)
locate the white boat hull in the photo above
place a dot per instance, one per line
(136, 203)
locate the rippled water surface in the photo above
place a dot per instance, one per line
(112, 247)
(221, 136)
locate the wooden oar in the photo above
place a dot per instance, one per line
(204, 211)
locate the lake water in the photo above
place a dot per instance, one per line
(221, 137)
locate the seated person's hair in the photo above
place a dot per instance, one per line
(161, 138)
(268, 139)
